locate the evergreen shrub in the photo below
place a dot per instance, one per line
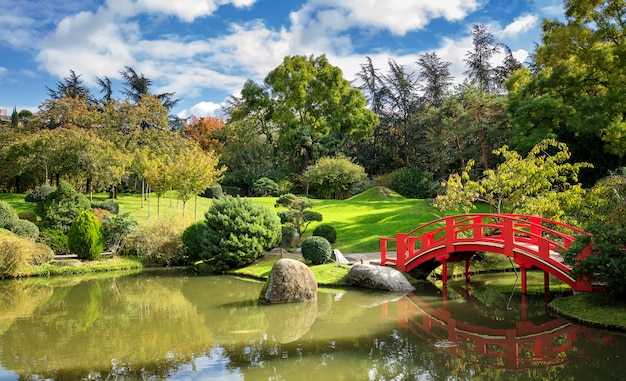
(25, 229)
(327, 231)
(85, 236)
(62, 206)
(290, 237)
(196, 239)
(412, 182)
(240, 232)
(40, 193)
(56, 239)
(8, 217)
(27, 215)
(317, 250)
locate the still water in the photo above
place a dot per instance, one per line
(165, 325)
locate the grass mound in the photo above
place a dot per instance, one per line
(377, 194)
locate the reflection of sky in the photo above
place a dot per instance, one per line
(7, 375)
(212, 367)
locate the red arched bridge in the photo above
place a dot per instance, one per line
(531, 242)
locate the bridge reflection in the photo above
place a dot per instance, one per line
(513, 345)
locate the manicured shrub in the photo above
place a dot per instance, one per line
(265, 187)
(17, 254)
(412, 182)
(25, 229)
(240, 231)
(335, 177)
(110, 206)
(159, 243)
(40, 193)
(8, 217)
(62, 206)
(326, 231)
(56, 239)
(85, 236)
(27, 215)
(196, 238)
(214, 191)
(317, 250)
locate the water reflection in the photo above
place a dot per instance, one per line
(170, 326)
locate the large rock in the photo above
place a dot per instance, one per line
(289, 281)
(379, 278)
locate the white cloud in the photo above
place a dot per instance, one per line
(397, 16)
(3, 71)
(519, 26)
(202, 109)
(186, 10)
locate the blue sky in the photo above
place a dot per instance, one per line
(204, 50)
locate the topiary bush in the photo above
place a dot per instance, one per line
(326, 231)
(85, 236)
(110, 206)
(240, 232)
(317, 250)
(8, 217)
(62, 206)
(159, 243)
(412, 182)
(116, 228)
(39, 194)
(265, 187)
(196, 238)
(25, 229)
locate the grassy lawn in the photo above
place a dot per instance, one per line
(595, 309)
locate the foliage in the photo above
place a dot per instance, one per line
(289, 237)
(412, 182)
(85, 237)
(25, 229)
(56, 239)
(18, 254)
(317, 250)
(517, 182)
(8, 217)
(62, 206)
(203, 130)
(116, 229)
(240, 232)
(335, 177)
(297, 214)
(40, 193)
(159, 242)
(215, 191)
(327, 231)
(196, 238)
(109, 205)
(27, 215)
(265, 187)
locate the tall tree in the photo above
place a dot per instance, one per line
(136, 85)
(435, 78)
(478, 60)
(70, 87)
(15, 118)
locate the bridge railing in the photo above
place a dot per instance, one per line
(513, 231)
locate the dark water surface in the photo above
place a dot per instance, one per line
(165, 325)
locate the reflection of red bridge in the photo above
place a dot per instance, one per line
(532, 242)
(523, 346)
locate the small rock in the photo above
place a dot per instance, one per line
(337, 257)
(289, 281)
(379, 278)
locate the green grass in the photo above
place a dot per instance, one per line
(593, 309)
(503, 282)
(73, 267)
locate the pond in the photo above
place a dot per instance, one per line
(158, 325)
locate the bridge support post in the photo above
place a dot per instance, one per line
(523, 275)
(546, 281)
(467, 269)
(444, 272)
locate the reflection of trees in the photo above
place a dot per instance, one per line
(144, 324)
(19, 299)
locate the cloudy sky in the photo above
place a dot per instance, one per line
(204, 50)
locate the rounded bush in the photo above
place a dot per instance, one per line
(27, 215)
(25, 229)
(196, 238)
(40, 193)
(62, 206)
(240, 232)
(412, 182)
(326, 231)
(8, 217)
(17, 253)
(317, 250)
(109, 206)
(85, 236)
